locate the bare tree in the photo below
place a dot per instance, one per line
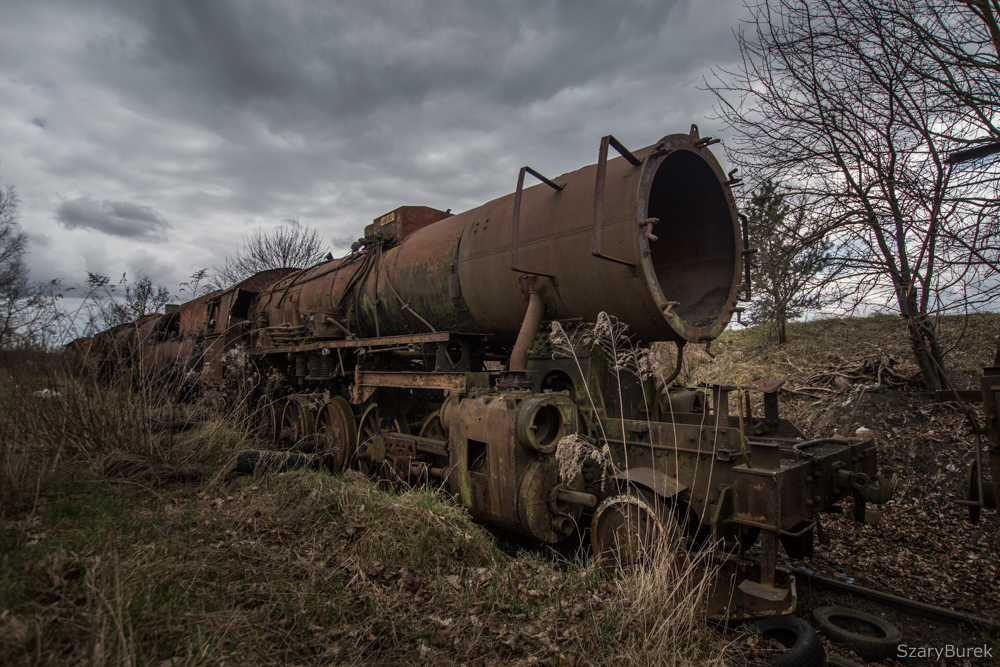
(788, 271)
(960, 40)
(961, 43)
(289, 244)
(28, 312)
(13, 242)
(126, 301)
(830, 99)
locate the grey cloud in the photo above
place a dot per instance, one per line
(295, 63)
(342, 241)
(117, 218)
(39, 240)
(227, 115)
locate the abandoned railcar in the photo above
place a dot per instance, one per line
(463, 350)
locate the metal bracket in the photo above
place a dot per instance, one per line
(732, 179)
(602, 169)
(516, 217)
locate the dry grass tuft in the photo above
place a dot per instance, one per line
(658, 608)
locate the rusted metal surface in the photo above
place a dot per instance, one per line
(397, 225)
(526, 336)
(981, 492)
(515, 218)
(406, 380)
(454, 274)
(421, 357)
(964, 395)
(602, 171)
(384, 341)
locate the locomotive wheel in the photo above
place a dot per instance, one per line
(337, 432)
(632, 529)
(369, 454)
(433, 428)
(297, 421)
(268, 418)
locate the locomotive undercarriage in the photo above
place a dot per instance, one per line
(679, 469)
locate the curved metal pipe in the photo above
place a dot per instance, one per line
(526, 336)
(677, 366)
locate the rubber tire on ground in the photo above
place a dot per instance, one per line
(804, 646)
(869, 648)
(840, 661)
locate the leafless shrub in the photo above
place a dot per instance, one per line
(289, 244)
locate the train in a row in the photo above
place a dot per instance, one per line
(502, 354)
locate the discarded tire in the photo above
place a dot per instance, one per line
(830, 621)
(804, 648)
(251, 462)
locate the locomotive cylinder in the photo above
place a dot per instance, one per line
(667, 264)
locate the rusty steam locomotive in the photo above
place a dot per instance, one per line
(422, 357)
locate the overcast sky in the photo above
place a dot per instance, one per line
(149, 136)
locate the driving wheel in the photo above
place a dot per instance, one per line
(268, 418)
(433, 428)
(370, 449)
(337, 432)
(631, 529)
(297, 421)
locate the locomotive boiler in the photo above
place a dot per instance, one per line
(500, 353)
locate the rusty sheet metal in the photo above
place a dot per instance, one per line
(384, 341)
(484, 462)
(725, 600)
(773, 499)
(692, 438)
(665, 485)
(963, 395)
(406, 380)
(695, 261)
(990, 385)
(195, 315)
(403, 221)
(418, 443)
(681, 283)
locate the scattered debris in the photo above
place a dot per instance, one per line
(46, 393)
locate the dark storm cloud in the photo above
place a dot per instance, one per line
(294, 61)
(223, 116)
(117, 218)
